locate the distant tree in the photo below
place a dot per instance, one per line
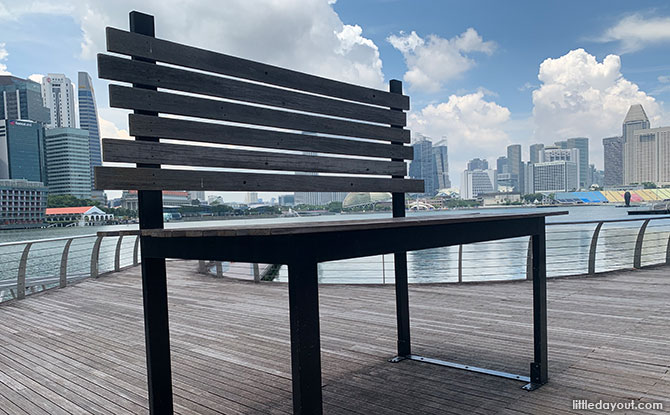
(334, 207)
(649, 185)
(56, 201)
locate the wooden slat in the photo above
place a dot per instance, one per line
(148, 126)
(126, 70)
(130, 151)
(164, 102)
(119, 41)
(121, 178)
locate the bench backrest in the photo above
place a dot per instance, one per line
(332, 136)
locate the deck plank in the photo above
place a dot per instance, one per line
(81, 349)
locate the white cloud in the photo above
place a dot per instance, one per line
(636, 32)
(664, 79)
(580, 96)
(303, 35)
(36, 77)
(3, 57)
(434, 61)
(473, 126)
(109, 130)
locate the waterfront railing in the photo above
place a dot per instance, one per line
(573, 248)
(27, 267)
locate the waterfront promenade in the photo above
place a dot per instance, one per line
(81, 349)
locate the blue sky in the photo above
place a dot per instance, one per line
(483, 74)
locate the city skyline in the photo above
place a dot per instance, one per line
(495, 88)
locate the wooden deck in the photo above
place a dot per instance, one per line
(81, 349)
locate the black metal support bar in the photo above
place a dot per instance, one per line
(400, 259)
(538, 368)
(305, 341)
(154, 279)
(468, 368)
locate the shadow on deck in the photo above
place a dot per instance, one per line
(81, 349)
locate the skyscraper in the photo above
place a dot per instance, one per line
(535, 152)
(652, 158)
(581, 144)
(67, 161)
(22, 150)
(555, 176)
(515, 166)
(423, 165)
(478, 164)
(21, 99)
(88, 120)
(441, 160)
(613, 154)
(633, 148)
(476, 182)
(58, 96)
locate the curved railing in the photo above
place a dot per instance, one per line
(31, 266)
(573, 248)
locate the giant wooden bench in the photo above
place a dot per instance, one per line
(287, 123)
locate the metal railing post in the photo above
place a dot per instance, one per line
(117, 254)
(667, 252)
(529, 260)
(637, 256)
(592, 249)
(63, 264)
(383, 270)
(219, 269)
(202, 266)
(136, 248)
(257, 272)
(21, 278)
(95, 254)
(460, 263)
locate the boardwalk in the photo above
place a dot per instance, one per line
(80, 349)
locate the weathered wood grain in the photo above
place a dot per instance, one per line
(129, 151)
(80, 349)
(141, 125)
(126, 70)
(120, 41)
(177, 104)
(168, 179)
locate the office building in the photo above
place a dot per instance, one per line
(528, 175)
(21, 99)
(554, 153)
(581, 144)
(634, 151)
(318, 198)
(198, 195)
(287, 200)
(441, 160)
(251, 198)
(88, 120)
(171, 198)
(555, 176)
(423, 165)
(515, 166)
(613, 156)
(478, 164)
(58, 96)
(535, 152)
(652, 156)
(68, 162)
(22, 204)
(22, 150)
(476, 182)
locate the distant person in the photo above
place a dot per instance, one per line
(626, 198)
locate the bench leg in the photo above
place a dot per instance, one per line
(402, 306)
(538, 368)
(157, 335)
(305, 342)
